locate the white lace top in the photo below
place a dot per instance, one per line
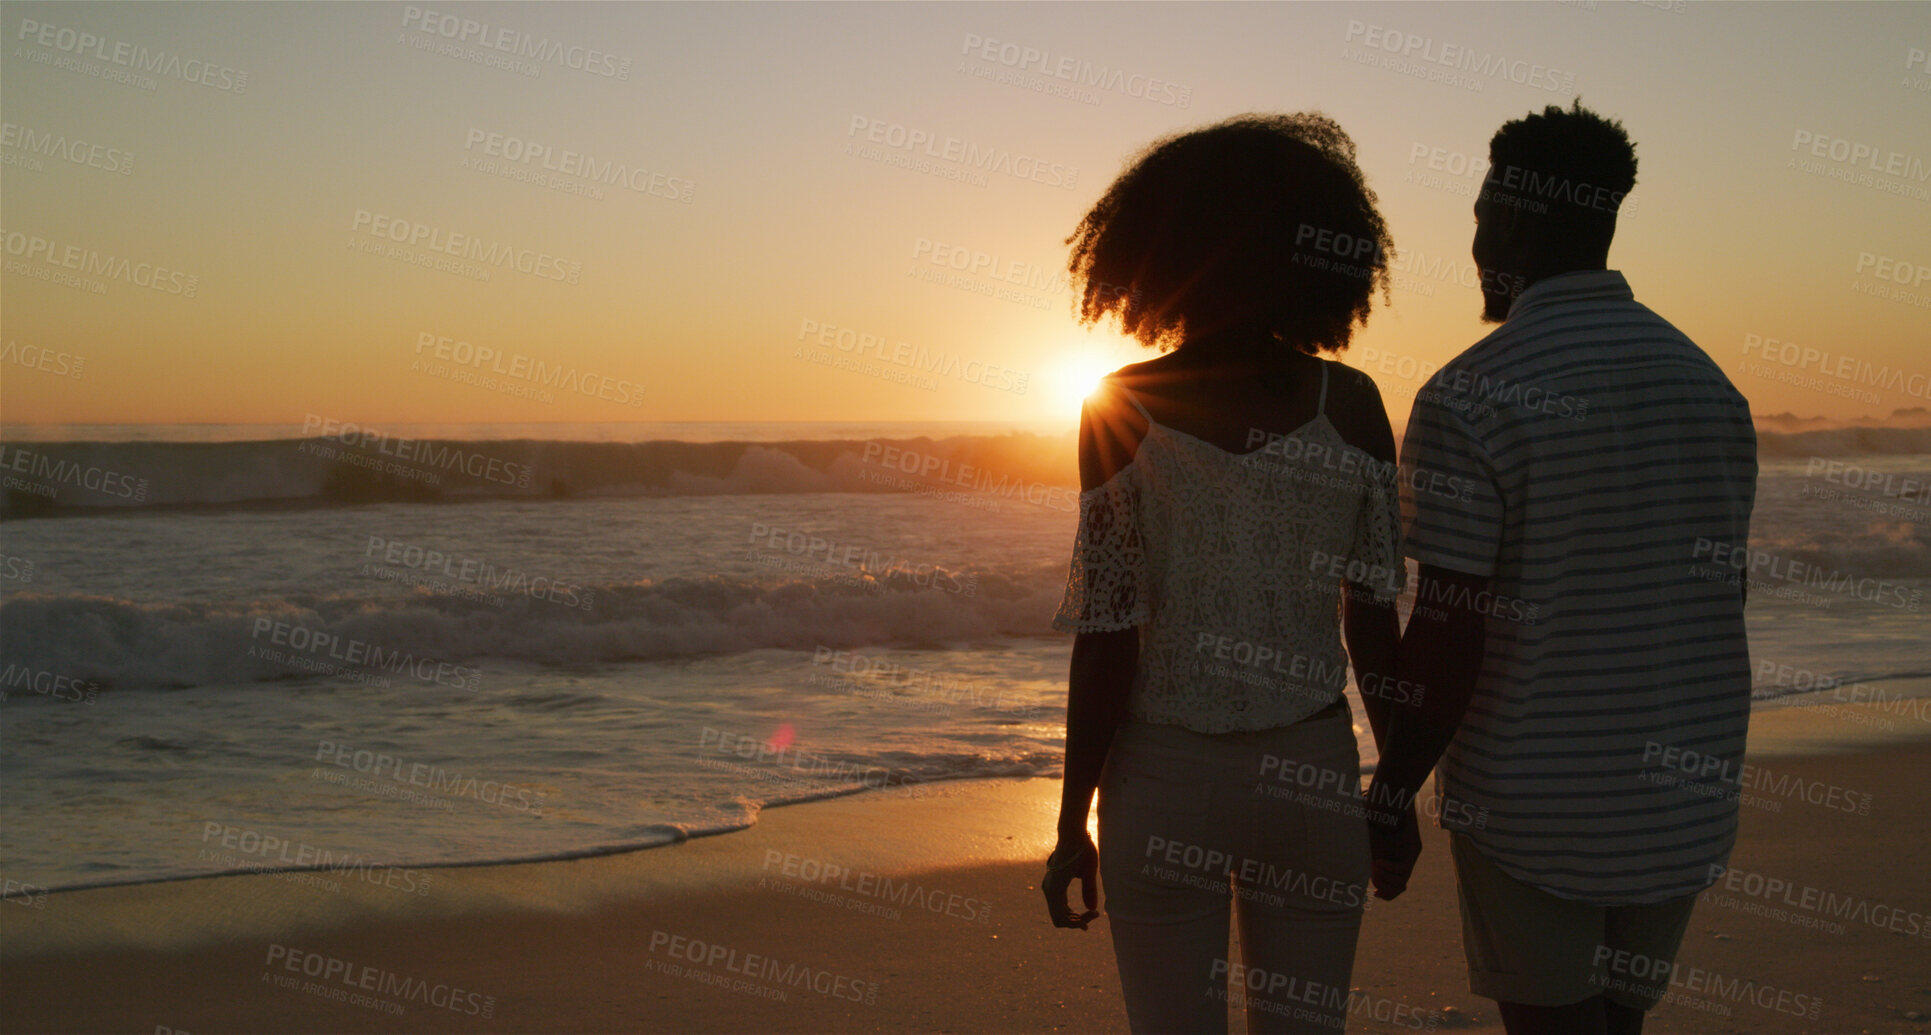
(1232, 566)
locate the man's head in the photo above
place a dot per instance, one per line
(1548, 206)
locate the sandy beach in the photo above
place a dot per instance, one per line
(922, 913)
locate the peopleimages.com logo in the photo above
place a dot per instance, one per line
(129, 58)
(93, 262)
(971, 155)
(467, 247)
(422, 454)
(469, 32)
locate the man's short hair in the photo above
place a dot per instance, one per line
(1570, 167)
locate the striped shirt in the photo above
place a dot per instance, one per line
(1599, 469)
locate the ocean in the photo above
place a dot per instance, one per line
(352, 650)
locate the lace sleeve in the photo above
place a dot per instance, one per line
(1106, 589)
(1377, 536)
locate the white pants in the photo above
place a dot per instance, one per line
(1266, 823)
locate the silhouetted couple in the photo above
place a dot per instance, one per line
(1243, 514)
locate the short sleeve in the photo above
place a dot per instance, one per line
(1450, 502)
(1107, 586)
(1377, 535)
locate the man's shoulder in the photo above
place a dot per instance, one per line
(1623, 323)
(1494, 354)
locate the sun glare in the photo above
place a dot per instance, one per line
(1075, 377)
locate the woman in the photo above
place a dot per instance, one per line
(1231, 489)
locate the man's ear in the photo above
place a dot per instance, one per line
(1518, 234)
(1508, 218)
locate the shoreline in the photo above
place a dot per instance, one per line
(927, 906)
(1856, 726)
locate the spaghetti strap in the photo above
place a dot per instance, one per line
(1136, 403)
(1322, 406)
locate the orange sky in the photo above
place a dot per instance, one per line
(510, 213)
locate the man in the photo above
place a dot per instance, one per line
(1567, 484)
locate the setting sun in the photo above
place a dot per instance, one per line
(1075, 376)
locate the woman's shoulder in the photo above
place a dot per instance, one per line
(1355, 409)
(1143, 374)
(1113, 426)
(1349, 382)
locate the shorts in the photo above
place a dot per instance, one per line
(1525, 945)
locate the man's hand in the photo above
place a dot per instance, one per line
(1070, 860)
(1393, 849)
(1441, 652)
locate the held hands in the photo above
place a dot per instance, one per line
(1071, 859)
(1394, 843)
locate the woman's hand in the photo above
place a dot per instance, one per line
(1394, 848)
(1072, 858)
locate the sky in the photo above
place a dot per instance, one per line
(518, 213)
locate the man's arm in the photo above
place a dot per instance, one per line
(1441, 655)
(1441, 651)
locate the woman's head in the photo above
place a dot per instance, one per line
(1259, 229)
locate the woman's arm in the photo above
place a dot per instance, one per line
(1096, 692)
(1370, 627)
(1373, 631)
(1097, 686)
(1103, 662)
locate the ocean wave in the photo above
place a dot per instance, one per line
(438, 640)
(353, 468)
(57, 477)
(1879, 548)
(451, 639)
(1849, 688)
(1859, 441)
